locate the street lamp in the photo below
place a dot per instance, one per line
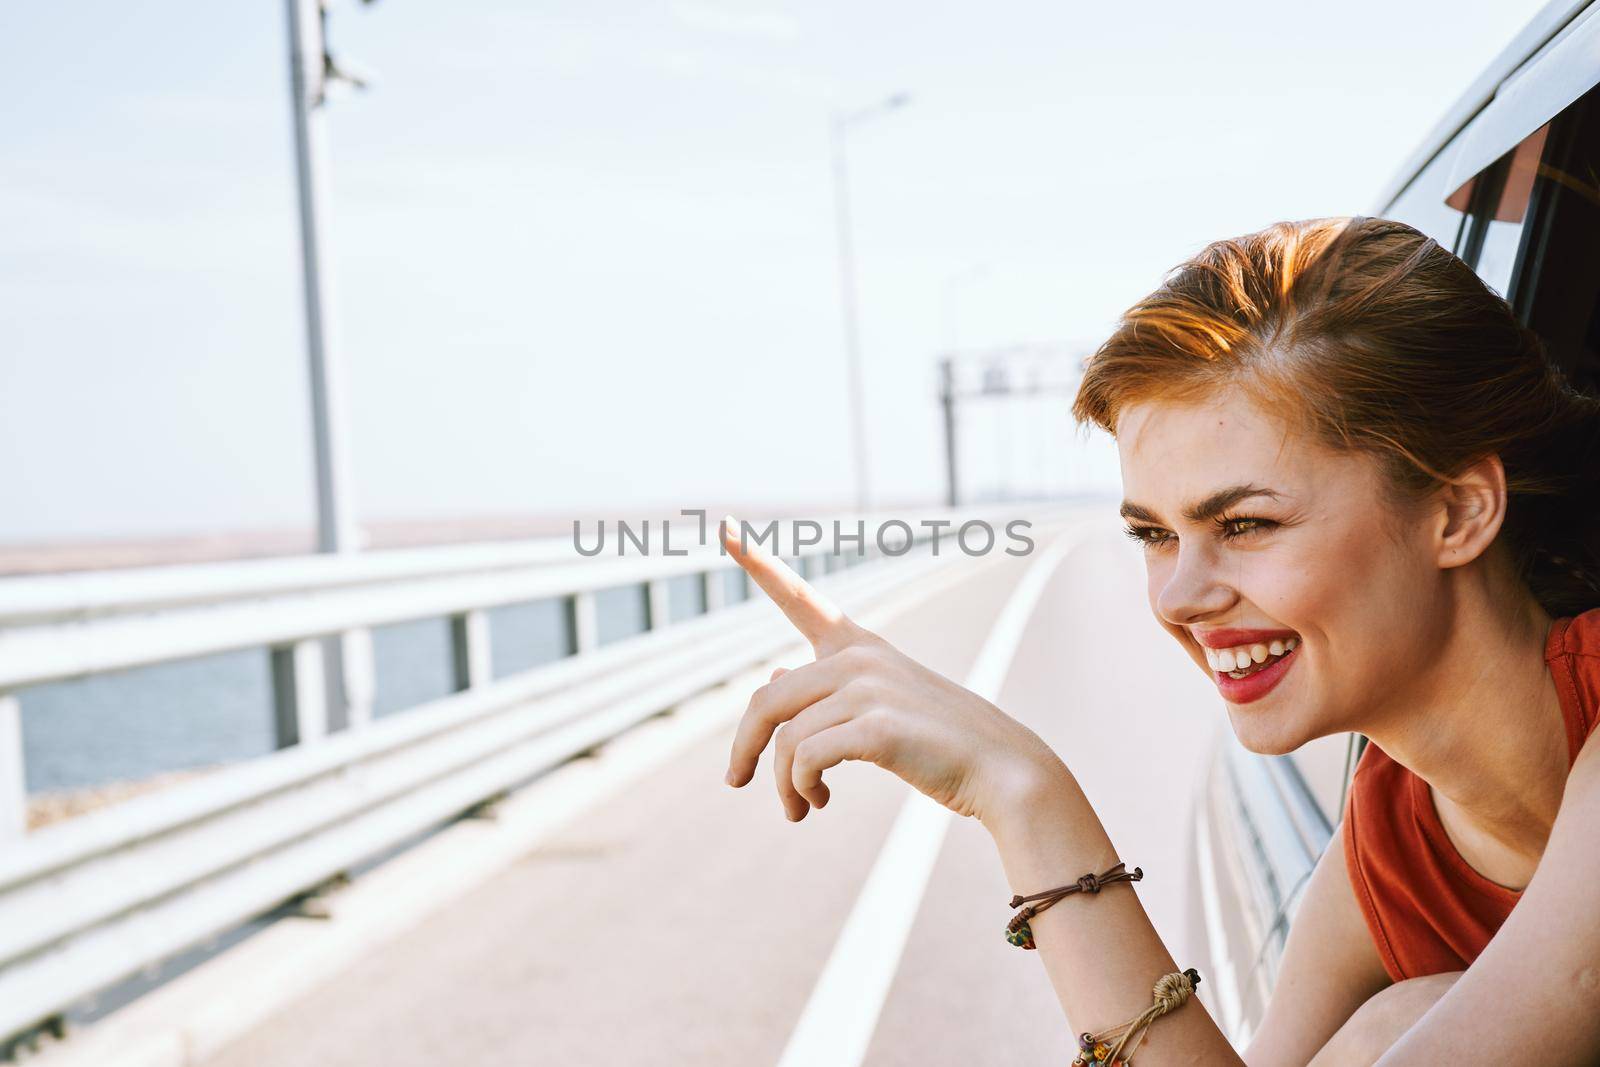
(346, 658)
(839, 127)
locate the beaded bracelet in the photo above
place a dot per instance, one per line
(1019, 933)
(1171, 992)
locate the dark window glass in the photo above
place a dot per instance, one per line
(1556, 290)
(1498, 200)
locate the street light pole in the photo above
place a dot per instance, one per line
(839, 128)
(346, 658)
(335, 527)
(952, 454)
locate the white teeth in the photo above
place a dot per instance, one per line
(1228, 660)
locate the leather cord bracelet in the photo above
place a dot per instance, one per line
(1017, 930)
(1115, 1047)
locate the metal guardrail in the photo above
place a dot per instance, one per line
(79, 596)
(1278, 833)
(71, 626)
(95, 899)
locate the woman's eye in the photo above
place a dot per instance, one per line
(1236, 527)
(1229, 528)
(1149, 536)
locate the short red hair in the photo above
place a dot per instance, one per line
(1373, 337)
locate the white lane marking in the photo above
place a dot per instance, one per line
(838, 1021)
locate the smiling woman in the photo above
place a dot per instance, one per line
(1367, 502)
(1333, 433)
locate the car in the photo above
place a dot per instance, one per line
(1509, 180)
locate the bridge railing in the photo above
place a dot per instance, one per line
(94, 899)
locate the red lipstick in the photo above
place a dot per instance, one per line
(1235, 638)
(1257, 685)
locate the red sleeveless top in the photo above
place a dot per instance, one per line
(1427, 909)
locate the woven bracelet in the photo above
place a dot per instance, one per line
(1171, 992)
(1019, 933)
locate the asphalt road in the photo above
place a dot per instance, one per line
(681, 922)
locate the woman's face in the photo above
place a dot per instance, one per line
(1281, 559)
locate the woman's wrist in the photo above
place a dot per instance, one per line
(1030, 778)
(1042, 824)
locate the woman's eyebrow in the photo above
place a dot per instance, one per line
(1212, 505)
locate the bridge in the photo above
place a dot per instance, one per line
(545, 866)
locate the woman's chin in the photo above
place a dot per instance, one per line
(1266, 735)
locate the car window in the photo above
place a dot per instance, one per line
(1503, 235)
(1556, 287)
(1534, 236)
(1422, 203)
(1498, 200)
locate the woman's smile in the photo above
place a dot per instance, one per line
(1257, 680)
(1247, 664)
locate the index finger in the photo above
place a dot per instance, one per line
(817, 618)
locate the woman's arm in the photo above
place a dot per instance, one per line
(1101, 952)
(1330, 967)
(864, 700)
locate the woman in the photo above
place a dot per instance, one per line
(1367, 502)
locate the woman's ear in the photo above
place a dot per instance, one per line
(1472, 511)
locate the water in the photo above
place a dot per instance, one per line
(137, 723)
(412, 663)
(522, 636)
(621, 612)
(134, 724)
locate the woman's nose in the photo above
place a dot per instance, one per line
(1192, 589)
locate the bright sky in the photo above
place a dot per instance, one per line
(583, 251)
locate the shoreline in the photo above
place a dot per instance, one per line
(96, 554)
(46, 809)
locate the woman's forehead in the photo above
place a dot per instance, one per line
(1221, 426)
(1173, 453)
